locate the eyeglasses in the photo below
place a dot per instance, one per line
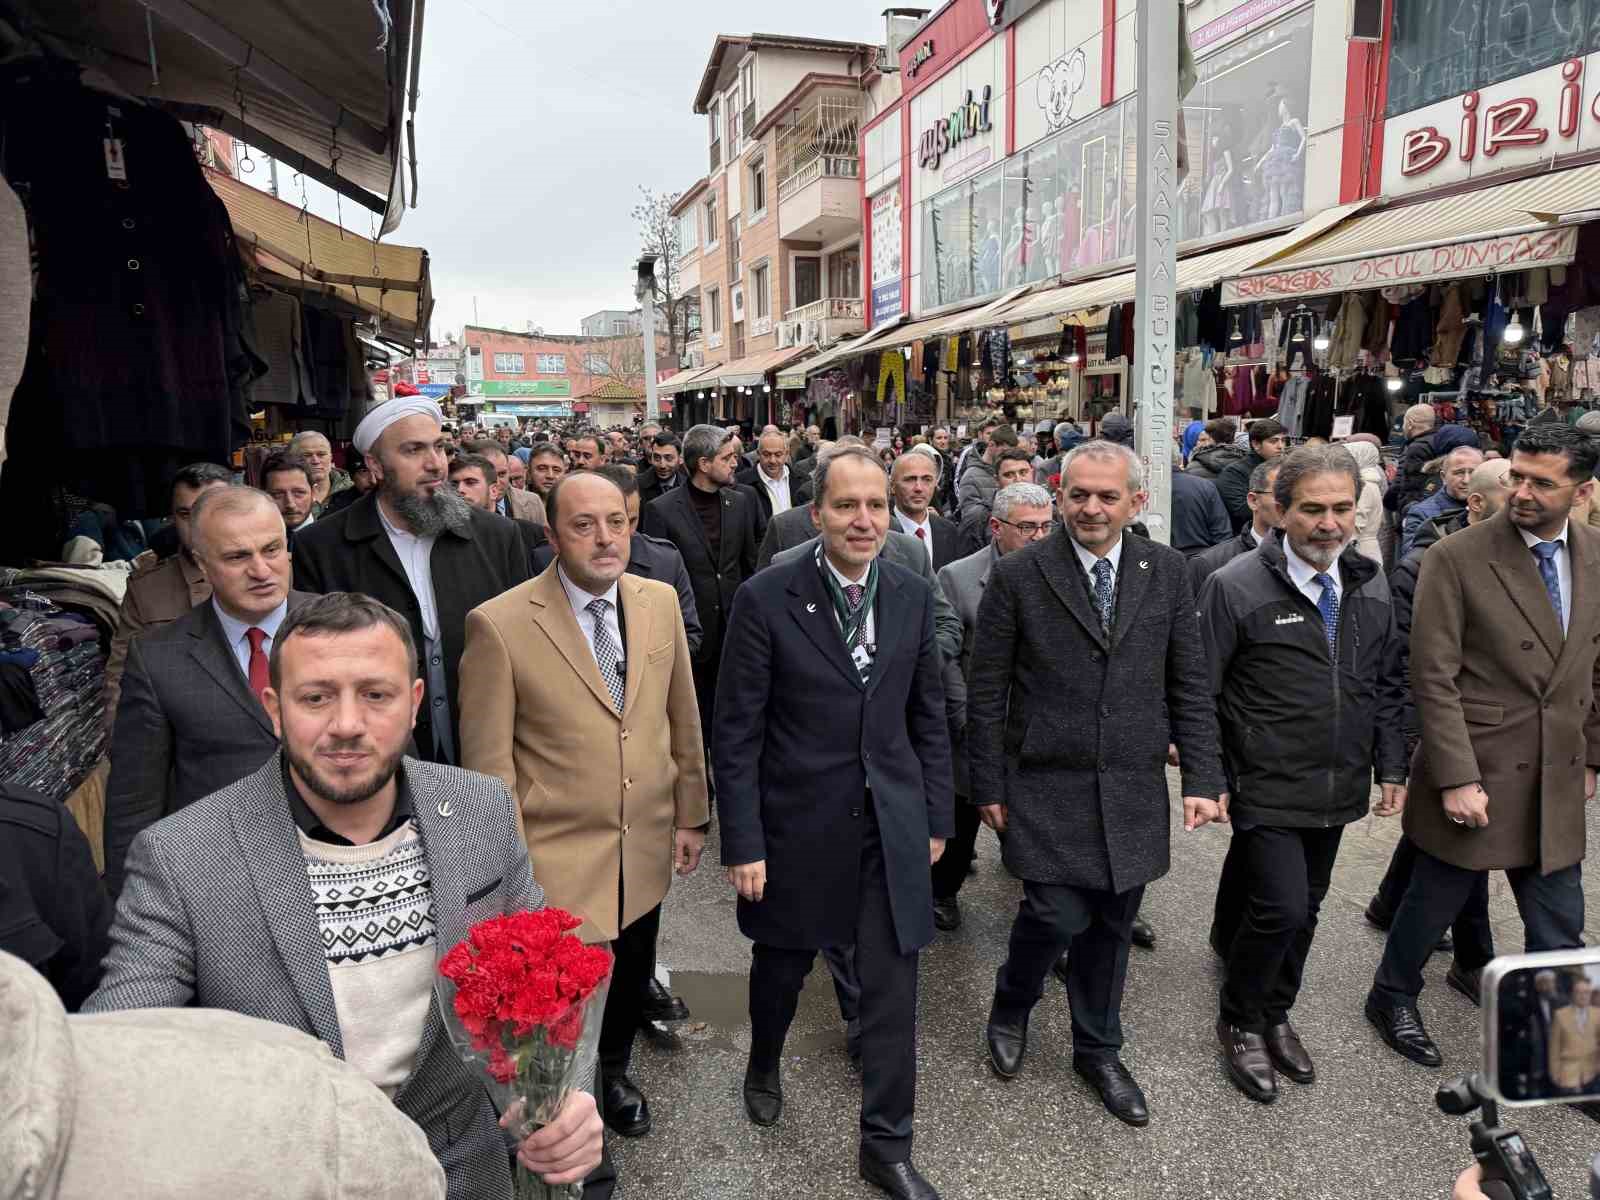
(1026, 528)
(1547, 487)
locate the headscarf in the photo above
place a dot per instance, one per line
(1191, 435)
(386, 414)
(1369, 460)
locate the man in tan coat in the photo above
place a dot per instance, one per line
(577, 691)
(1575, 1042)
(1505, 630)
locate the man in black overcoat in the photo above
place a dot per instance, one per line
(1088, 663)
(832, 758)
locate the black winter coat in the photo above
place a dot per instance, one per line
(672, 517)
(1069, 729)
(1233, 484)
(1302, 733)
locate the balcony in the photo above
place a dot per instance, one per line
(823, 322)
(716, 155)
(748, 121)
(818, 168)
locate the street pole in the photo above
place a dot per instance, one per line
(645, 290)
(1155, 279)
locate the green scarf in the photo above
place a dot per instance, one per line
(850, 619)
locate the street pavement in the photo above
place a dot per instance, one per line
(1368, 1128)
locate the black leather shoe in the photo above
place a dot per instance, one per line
(947, 913)
(1378, 916)
(1249, 1063)
(1467, 982)
(1143, 936)
(1059, 968)
(763, 1095)
(1289, 1053)
(660, 1035)
(1445, 945)
(626, 1111)
(1118, 1091)
(1401, 1027)
(1008, 1042)
(662, 1005)
(900, 1179)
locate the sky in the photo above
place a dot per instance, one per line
(538, 122)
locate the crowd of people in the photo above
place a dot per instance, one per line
(362, 708)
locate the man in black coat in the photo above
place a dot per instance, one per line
(714, 527)
(665, 471)
(833, 762)
(914, 478)
(421, 549)
(1267, 440)
(1305, 666)
(1088, 665)
(777, 485)
(1263, 520)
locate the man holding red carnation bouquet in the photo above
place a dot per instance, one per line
(317, 892)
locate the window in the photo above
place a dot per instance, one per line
(844, 274)
(597, 364)
(714, 118)
(733, 124)
(733, 247)
(807, 281)
(619, 327)
(714, 307)
(747, 82)
(711, 221)
(758, 186)
(552, 364)
(508, 364)
(759, 277)
(688, 233)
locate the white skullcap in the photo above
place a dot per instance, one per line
(386, 414)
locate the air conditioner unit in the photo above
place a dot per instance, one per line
(810, 331)
(785, 334)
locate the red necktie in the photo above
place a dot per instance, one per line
(921, 537)
(259, 677)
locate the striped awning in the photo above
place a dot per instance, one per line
(683, 380)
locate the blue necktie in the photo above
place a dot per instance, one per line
(1328, 606)
(1105, 596)
(1546, 553)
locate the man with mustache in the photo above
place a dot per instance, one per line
(1305, 667)
(416, 545)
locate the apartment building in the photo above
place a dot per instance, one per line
(770, 239)
(550, 375)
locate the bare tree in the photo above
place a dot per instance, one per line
(658, 235)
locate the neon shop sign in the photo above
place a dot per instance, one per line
(968, 120)
(1489, 129)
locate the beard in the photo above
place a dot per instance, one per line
(353, 792)
(429, 516)
(1320, 555)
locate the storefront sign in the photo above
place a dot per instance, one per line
(437, 390)
(968, 120)
(533, 410)
(1233, 21)
(923, 53)
(1530, 119)
(1516, 252)
(886, 237)
(526, 387)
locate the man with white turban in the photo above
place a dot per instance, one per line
(413, 543)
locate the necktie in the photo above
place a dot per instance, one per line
(1328, 606)
(921, 535)
(853, 593)
(1546, 554)
(1105, 593)
(606, 653)
(260, 677)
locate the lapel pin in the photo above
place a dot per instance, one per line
(1144, 565)
(444, 809)
(811, 608)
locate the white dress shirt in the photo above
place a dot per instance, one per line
(235, 631)
(777, 489)
(580, 601)
(1563, 562)
(1301, 572)
(910, 526)
(844, 582)
(1087, 560)
(415, 554)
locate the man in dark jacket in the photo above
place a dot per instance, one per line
(1208, 461)
(1410, 483)
(1264, 517)
(1420, 526)
(1305, 665)
(1267, 440)
(1199, 520)
(666, 467)
(1087, 666)
(419, 548)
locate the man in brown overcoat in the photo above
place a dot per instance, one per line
(1503, 657)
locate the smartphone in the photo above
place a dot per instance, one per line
(1541, 1027)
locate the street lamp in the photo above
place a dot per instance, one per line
(644, 290)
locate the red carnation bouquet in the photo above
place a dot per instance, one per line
(522, 1000)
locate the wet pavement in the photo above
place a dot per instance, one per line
(1368, 1128)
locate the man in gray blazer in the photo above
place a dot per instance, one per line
(190, 718)
(245, 901)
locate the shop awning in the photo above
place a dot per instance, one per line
(674, 384)
(752, 369)
(328, 88)
(390, 282)
(1197, 271)
(796, 376)
(1507, 227)
(948, 323)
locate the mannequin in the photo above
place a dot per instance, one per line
(1282, 168)
(1215, 212)
(1048, 246)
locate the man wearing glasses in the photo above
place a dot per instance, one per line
(1503, 677)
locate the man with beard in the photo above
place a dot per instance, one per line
(161, 591)
(1503, 672)
(666, 468)
(420, 548)
(508, 499)
(1305, 665)
(243, 901)
(287, 479)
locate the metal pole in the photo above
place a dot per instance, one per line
(647, 325)
(1155, 301)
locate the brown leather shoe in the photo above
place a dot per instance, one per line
(1288, 1053)
(1249, 1064)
